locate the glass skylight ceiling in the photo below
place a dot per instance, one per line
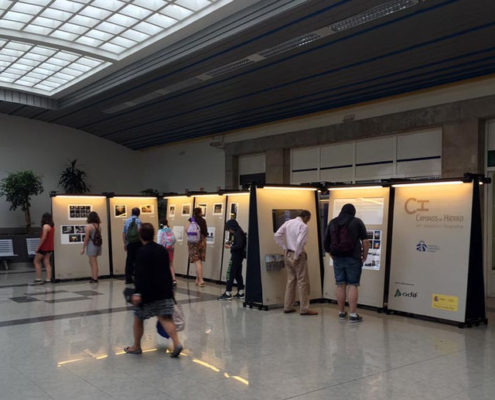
(80, 37)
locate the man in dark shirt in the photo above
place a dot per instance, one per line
(346, 241)
(238, 253)
(154, 291)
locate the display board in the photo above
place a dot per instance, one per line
(70, 214)
(372, 206)
(120, 210)
(266, 281)
(213, 207)
(238, 208)
(431, 250)
(179, 210)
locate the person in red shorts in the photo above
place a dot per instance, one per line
(45, 249)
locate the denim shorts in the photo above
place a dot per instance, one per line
(347, 270)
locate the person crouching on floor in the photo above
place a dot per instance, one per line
(154, 294)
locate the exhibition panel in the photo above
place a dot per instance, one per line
(70, 213)
(213, 207)
(372, 207)
(238, 209)
(179, 210)
(270, 207)
(120, 210)
(436, 255)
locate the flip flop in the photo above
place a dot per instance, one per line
(137, 351)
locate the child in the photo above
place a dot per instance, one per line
(167, 239)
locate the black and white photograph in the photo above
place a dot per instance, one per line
(79, 211)
(120, 211)
(203, 209)
(217, 209)
(79, 228)
(234, 207)
(74, 238)
(186, 210)
(67, 229)
(171, 211)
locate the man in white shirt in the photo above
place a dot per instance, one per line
(292, 237)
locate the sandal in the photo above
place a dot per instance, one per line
(129, 351)
(175, 353)
(202, 284)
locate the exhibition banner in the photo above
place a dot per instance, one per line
(430, 250)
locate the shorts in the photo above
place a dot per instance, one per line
(347, 270)
(44, 252)
(157, 308)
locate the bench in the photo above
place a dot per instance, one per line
(6, 251)
(31, 245)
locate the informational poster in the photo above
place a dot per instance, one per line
(72, 234)
(430, 250)
(210, 239)
(370, 210)
(78, 211)
(178, 233)
(375, 251)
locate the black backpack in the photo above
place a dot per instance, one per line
(97, 238)
(341, 243)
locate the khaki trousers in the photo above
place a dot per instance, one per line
(297, 277)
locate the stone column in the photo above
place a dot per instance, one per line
(462, 148)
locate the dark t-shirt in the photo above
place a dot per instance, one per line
(153, 278)
(357, 231)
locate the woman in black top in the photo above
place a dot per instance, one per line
(154, 291)
(238, 253)
(197, 250)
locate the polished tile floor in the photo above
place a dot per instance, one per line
(65, 341)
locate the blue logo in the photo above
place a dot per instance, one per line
(422, 246)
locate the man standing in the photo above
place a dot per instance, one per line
(132, 243)
(346, 241)
(292, 237)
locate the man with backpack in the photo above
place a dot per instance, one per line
(238, 253)
(292, 237)
(132, 243)
(346, 240)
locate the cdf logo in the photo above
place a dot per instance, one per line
(413, 205)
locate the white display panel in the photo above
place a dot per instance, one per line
(69, 263)
(372, 207)
(430, 250)
(177, 221)
(120, 210)
(273, 282)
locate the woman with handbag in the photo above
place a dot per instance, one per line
(154, 296)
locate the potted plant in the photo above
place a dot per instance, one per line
(73, 180)
(18, 188)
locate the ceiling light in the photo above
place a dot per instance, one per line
(373, 14)
(429, 184)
